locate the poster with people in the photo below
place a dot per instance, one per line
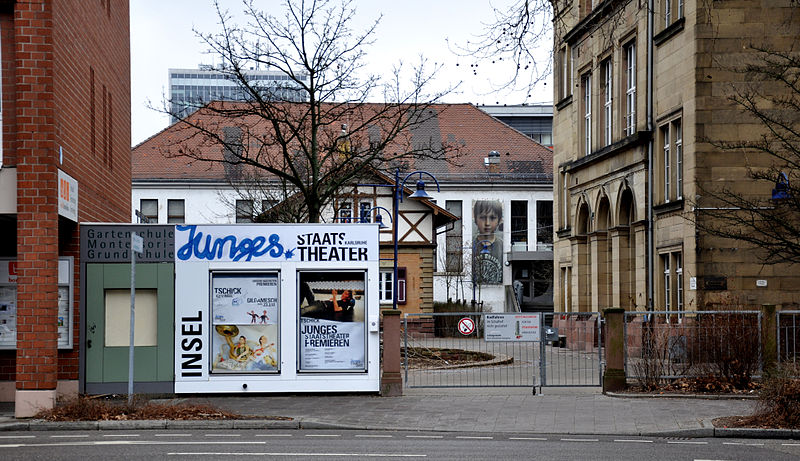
(244, 336)
(332, 326)
(487, 243)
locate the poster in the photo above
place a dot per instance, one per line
(244, 334)
(63, 316)
(487, 244)
(8, 315)
(512, 327)
(332, 326)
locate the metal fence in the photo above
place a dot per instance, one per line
(788, 325)
(452, 350)
(664, 345)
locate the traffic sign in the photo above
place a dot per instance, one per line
(466, 326)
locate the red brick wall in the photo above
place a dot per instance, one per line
(66, 84)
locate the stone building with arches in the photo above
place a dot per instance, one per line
(642, 90)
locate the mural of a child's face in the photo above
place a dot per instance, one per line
(487, 222)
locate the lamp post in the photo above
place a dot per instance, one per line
(397, 198)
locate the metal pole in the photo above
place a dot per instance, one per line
(395, 224)
(133, 319)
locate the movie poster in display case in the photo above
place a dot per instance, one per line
(245, 320)
(332, 323)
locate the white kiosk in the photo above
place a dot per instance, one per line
(276, 308)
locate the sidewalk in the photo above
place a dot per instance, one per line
(558, 411)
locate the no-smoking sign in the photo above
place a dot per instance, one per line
(466, 326)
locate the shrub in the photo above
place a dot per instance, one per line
(779, 400)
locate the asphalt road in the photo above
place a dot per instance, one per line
(341, 445)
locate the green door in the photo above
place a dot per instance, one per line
(108, 326)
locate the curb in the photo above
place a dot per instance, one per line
(39, 425)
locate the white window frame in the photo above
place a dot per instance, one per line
(630, 88)
(667, 283)
(385, 286)
(608, 103)
(586, 85)
(679, 284)
(665, 132)
(667, 13)
(678, 128)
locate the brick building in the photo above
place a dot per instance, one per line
(640, 95)
(64, 159)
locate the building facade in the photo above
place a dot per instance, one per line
(533, 120)
(641, 95)
(64, 159)
(498, 168)
(193, 88)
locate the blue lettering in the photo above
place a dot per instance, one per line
(214, 248)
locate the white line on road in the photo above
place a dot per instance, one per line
(374, 436)
(349, 455)
(173, 435)
(686, 442)
(791, 444)
(528, 438)
(633, 441)
(128, 442)
(17, 436)
(323, 435)
(745, 444)
(223, 435)
(273, 435)
(70, 436)
(579, 440)
(120, 435)
(424, 436)
(473, 437)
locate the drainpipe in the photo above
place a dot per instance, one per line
(650, 169)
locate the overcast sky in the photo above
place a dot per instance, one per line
(162, 38)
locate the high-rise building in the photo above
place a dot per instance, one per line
(190, 89)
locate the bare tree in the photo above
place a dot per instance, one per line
(766, 214)
(312, 148)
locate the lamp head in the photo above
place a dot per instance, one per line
(379, 220)
(420, 192)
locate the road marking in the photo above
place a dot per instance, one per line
(223, 435)
(348, 455)
(686, 442)
(580, 440)
(323, 435)
(528, 438)
(128, 442)
(120, 435)
(745, 444)
(424, 436)
(17, 436)
(791, 444)
(70, 436)
(273, 435)
(374, 436)
(633, 441)
(474, 437)
(173, 435)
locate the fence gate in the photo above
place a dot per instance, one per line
(788, 324)
(481, 349)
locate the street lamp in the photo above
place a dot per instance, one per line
(378, 217)
(397, 198)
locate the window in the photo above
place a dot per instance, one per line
(176, 211)
(345, 212)
(607, 101)
(519, 223)
(385, 286)
(267, 204)
(244, 211)
(673, 11)
(671, 162)
(565, 72)
(149, 208)
(586, 88)
(630, 88)
(544, 225)
(566, 289)
(672, 283)
(454, 246)
(364, 209)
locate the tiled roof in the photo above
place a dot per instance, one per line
(463, 125)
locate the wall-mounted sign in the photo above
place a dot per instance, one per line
(112, 243)
(67, 196)
(715, 283)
